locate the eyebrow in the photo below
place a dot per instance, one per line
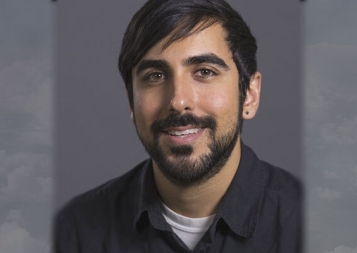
(193, 60)
(205, 58)
(146, 64)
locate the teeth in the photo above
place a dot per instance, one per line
(188, 131)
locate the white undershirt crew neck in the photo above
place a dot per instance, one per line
(189, 230)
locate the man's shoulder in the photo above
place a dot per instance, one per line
(283, 202)
(282, 182)
(85, 221)
(276, 179)
(105, 194)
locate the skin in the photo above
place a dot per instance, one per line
(202, 89)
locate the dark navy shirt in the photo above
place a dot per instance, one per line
(261, 212)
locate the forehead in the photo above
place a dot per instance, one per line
(209, 40)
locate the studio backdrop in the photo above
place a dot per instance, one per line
(94, 137)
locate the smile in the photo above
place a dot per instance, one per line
(184, 133)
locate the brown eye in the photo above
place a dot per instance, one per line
(205, 73)
(155, 77)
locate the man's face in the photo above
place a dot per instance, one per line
(186, 105)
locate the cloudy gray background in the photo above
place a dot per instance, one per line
(25, 125)
(330, 124)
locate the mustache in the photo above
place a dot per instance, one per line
(174, 120)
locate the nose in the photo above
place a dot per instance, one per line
(182, 96)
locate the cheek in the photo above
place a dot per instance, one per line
(222, 100)
(219, 100)
(146, 107)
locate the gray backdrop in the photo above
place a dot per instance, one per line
(94, 138)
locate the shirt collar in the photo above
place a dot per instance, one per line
(149, 206)
(239, 207)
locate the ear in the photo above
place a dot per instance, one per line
(132, 118)
(252, 99)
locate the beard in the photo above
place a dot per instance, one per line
(183, 169)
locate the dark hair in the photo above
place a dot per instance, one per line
(178, 19)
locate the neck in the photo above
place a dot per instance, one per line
(198, 200)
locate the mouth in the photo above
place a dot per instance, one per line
(183, 135)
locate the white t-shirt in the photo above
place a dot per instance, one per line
(190, 230)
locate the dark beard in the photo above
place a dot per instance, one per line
(185, 171)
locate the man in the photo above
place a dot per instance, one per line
(190, 71)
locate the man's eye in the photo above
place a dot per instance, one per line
(154, 77)
(205, 73)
